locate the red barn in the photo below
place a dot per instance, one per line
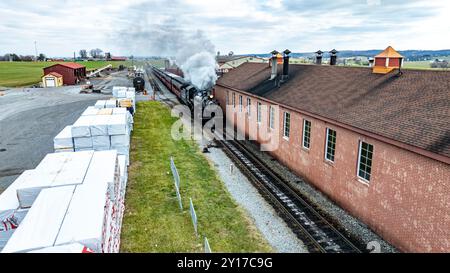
(72, 72)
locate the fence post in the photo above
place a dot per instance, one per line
(193, 216)
(207, 247)
(176, 179)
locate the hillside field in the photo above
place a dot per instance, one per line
(18, 74)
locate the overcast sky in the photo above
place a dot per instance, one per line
(61, 27)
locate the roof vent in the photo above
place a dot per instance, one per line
(387, 61)
(319, 54)
(286, 57)
(333, 56)
(274, 64)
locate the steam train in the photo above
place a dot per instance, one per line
(138, 81)
(185, 91)
(139, 84)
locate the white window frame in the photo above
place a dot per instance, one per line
(258, 112)
(249, 104)
(234, 100)
(359, 162)
(272, 117)
(326, 145)
(285, 125)
(304, 134)
(240, 103)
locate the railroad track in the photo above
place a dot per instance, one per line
(318, 235)
(159, 94)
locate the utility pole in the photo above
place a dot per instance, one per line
(35, 49)
(74, 56)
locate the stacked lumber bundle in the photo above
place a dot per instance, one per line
(74, 200)
(71, 202)
(98, 130)
(126, 96)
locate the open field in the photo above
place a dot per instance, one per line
(419, 65)
(16, 74)
(153, 221)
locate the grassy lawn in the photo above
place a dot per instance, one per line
(17, 74)
(419, 65)
(153, 221)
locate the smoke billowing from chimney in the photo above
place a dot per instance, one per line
(193, 52)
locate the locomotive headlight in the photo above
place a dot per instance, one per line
(211, 96)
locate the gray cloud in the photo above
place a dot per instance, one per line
(244, 26)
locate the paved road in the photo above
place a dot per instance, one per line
(26, 137)
(31, 117)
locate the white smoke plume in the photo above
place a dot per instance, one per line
(193, 52)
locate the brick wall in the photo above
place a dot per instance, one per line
(407, 200)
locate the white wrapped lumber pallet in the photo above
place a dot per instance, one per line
(90, 111)
(9, 203)
(83, 142)
(100, 104)
(120, 140)
(69, 248)
(99, 125)
(120, 111)
(64, 150)
(117, 125)
(40, 227)
(11, 215)
(81, 127)
(55, 170)
(89, 214)
(123, 150)
(121, 93)
(64, 140)
(111, 104)
(101, 143)
(117, 91)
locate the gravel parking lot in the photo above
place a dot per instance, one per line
(31, 117)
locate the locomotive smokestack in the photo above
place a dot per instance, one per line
(333, 57)
(286, 57)
(319, 57)
(274, 63)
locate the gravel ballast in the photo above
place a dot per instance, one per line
(271, 226)
(329, 209)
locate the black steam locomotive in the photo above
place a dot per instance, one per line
(184, 90)
(138, 81)
(139, 84)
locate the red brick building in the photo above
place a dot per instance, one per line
(375, 140)
(72, 72)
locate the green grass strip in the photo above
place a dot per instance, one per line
(153, 221)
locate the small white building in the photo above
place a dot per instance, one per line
(227, 63)
(52, 79)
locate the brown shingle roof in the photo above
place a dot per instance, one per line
(413, 108)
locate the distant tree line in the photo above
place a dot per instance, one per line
(95, 53)
(22, 58)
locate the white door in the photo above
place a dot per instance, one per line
(50, 82)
